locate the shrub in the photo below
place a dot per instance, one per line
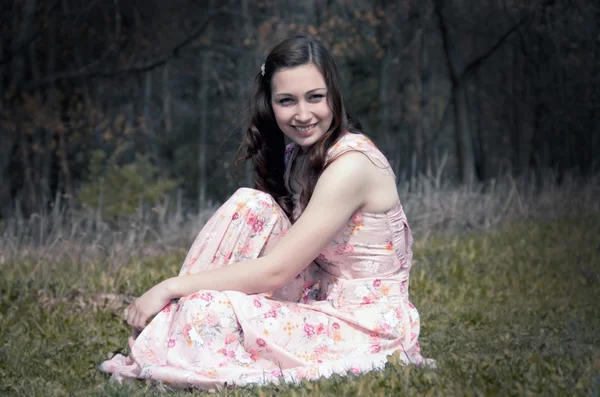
(117, 190)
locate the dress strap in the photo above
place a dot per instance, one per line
(360, 143)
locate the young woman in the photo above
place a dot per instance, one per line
(302, 277)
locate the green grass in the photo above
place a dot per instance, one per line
(510, 313)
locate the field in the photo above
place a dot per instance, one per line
(510, 312)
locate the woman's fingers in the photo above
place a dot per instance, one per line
(131, 342)
(136, 317)
(137, 321)
(131, 313)
(140, 321)
(134, 334)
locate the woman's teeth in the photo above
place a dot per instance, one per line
(305, 129)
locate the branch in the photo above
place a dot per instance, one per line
(174, 52)
(23, 46)
(476, 63)
(405, 51)
(473, 65)
(445, 32)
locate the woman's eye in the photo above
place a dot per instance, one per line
(316, 97)
(285, 101)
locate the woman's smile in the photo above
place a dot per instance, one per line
(300, 104)
(305, 130)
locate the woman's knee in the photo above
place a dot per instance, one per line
(249, 192)
(253, 197)
(258, 202)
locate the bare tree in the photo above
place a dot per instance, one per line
(462, 119)
(203, 119)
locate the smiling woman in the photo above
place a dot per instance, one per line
(303, 116)
(304, 276)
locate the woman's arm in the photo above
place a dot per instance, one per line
(340, 191)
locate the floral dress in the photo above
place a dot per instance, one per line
(346, 311)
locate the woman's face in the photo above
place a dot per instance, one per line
(300, 105)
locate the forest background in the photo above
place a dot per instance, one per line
(121, 106)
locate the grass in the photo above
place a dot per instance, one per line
(513, 312)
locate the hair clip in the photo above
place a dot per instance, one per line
(262, 70)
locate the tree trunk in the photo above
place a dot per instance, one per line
(204, 121)
(2, 73)
(23, 32)
(421, 130)
(7, 144)
(203, 129)
(525, 115)
(247, 63)
(464, 136)
(64, 166)
(462, 119)
(51, 97)
(148, 119)
(594, 121)
(167, 100)
(384, 102)
(481, 151)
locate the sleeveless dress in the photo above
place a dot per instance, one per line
(346, 311)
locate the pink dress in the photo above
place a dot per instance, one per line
(346, 311)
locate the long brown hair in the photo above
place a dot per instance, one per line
(263, 142)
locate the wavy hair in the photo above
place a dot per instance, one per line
(264, 143)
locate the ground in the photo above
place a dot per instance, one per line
(510, 312)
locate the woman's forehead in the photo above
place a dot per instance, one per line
(298, 80)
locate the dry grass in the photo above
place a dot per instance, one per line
(432, 206)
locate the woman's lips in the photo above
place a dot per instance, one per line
(305, 130)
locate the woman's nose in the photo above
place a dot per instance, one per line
(303, 113)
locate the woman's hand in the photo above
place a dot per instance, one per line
(148, 305)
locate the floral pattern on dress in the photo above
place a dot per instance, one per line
(345, 312)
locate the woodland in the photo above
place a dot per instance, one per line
(114, 106)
